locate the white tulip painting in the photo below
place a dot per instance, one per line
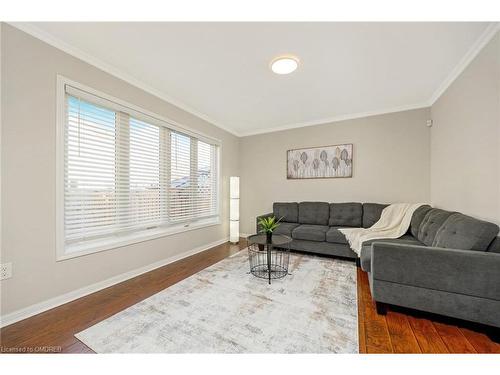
(320, 162)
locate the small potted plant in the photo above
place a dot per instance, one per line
(268, 225)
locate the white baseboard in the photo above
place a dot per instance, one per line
(40, 307)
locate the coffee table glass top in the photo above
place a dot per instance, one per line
(277, 239)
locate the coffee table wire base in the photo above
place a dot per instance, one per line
(261, 271)
(268, 262)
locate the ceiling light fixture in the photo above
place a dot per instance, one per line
(284, 64)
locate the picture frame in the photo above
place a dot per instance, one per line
(333, 161)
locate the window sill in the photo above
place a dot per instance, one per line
(90, 247)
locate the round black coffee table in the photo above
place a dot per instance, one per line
(269, 260)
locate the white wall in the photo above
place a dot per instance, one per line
(390, 164)
(28, 175)
(465, 139)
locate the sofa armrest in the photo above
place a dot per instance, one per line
(473, 273)
(257, 228)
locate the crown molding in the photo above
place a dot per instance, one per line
(38, 33)
(473, 51)
(328, 120)
(48, 38)
(480, 43)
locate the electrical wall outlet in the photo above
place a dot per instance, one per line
(5, 271)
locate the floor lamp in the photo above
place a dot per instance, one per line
(234, 209)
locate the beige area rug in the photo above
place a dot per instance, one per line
(224, 309)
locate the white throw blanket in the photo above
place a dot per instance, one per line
(393, 223)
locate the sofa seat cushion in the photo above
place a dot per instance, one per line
(289, 211)
(335, 236)
(366, 250)
(316, 213)
(430, 225)
(310, 232)
(286, 228)
(325, 248)
(463, 232)
(371, 213)
(346, 214)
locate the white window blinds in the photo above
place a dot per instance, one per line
(125, 171)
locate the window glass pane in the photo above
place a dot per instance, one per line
(144, 173)
(90, 199)
(180, 192)
(205, 180)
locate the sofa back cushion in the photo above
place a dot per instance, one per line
(431, 223)
(316, 213)
(346, 214)
(417, 218)
(494, 246)
(371, 213)
(463, 232)
(288, 211)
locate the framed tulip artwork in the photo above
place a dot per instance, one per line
(320, 162)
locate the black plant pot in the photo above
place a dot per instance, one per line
(269, 237)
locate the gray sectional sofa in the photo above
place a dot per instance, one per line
(447, 263)
(314, 226)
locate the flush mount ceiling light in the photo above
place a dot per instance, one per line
(284, 64)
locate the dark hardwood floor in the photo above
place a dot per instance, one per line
(396, 332)
(405, 331)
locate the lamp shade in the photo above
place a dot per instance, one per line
(234, 209)
(234, 231)
(234, 187)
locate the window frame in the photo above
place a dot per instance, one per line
(112, 242)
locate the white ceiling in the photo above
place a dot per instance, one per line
(221, 70)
